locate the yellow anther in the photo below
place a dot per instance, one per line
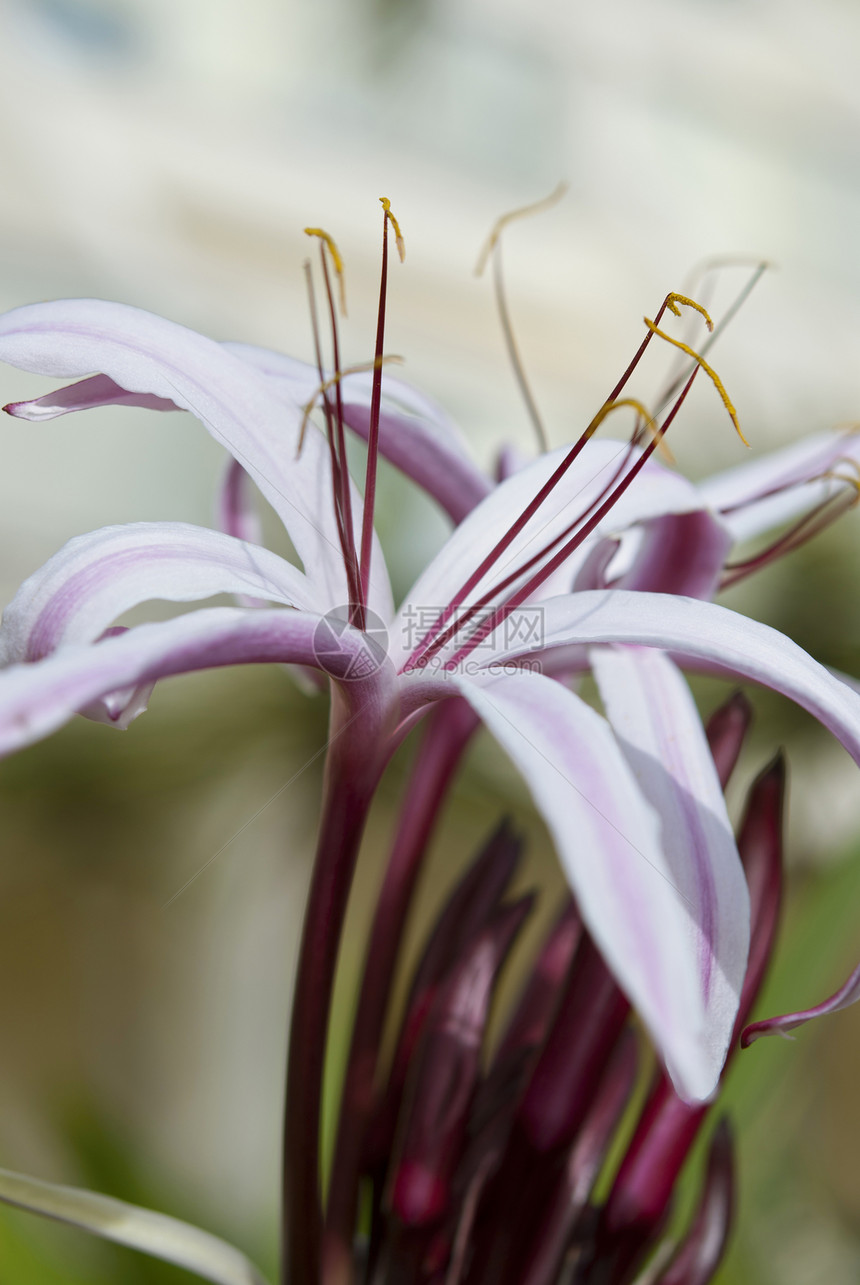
(709, 371)
(524, 212)
(607, 409)
(337, 261)
(398, 235)
(321, 389)
(673, 299)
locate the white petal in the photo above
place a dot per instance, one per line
(705, 635)
(657, 725)
(763, 494)
(94, 578)
(146, 354)
(608, 840)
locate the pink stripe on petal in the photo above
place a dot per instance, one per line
(658, 728)
(85, 587)
(608, 840)
(237, 515)
(145, 354)
(37, 698)
(415, 434)
(699, 635)
(88, 394)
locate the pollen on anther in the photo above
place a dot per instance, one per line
(336, 259)
(699, 359)
(398, 235)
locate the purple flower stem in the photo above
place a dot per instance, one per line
(350, 779)
(448, 732)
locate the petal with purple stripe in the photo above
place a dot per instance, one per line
(415, 434)
(765, 493)
(703, 636)
(145, 354)
(657, 725)
(37, 698)
(608, 840)
(94, 578)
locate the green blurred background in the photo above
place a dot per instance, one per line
(169, 153)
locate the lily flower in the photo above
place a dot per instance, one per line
(533, 584)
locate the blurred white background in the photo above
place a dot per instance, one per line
(168, 153)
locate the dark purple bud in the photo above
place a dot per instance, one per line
(725, 731)
(443, 1079)
(590, 1016)
(468, 910)
(562, 1093)
(760, 846)
(641, 1193)
(701, 1251)
(531, 1017)
(498, 1096)
(542, 1256)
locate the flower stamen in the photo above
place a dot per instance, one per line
(376, 398)
(501, 613)
(335, 432)
(359, 368)
(398, 235)
(700, 361)
(337, 262)
(424, 653)
(493, 246)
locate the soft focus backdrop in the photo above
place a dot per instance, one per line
(168, 153)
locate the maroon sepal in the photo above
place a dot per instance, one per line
(443, 1077)
(467, 911)
(700, 1253)
(725, 731)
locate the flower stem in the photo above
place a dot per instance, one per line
(447, 734)
(350, 778)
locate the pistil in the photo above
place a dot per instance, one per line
(335, 432)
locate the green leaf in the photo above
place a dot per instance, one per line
(156, 1234)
